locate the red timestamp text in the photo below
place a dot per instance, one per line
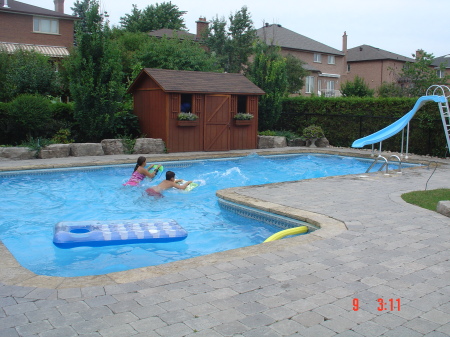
(391, 304)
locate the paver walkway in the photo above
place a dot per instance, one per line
(392, 251)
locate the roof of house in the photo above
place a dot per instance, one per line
(22, 8)
(369, 53)
(52, 51)
(442, 59)
(285, 38)
(170, 33)
(200, 82)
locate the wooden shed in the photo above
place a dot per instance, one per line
(160, 95)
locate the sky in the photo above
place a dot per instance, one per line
(398, 26)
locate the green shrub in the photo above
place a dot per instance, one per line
(312, 131)
(30, 116)
(62, 137)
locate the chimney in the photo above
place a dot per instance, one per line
(419, 53)
(202, 25)
(344, 43)
(59, 6)
(5, 5)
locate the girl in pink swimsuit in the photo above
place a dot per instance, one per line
(140, 172)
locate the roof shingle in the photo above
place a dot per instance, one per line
(369, 53)
(23, 8)
(285, 38)
(201, 82)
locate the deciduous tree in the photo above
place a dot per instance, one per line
(153, 17)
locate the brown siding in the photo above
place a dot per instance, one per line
(245, 136)
(18, 28)
(185, 138)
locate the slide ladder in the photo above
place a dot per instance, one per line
(443, 90)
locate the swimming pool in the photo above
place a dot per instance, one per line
(33, 202)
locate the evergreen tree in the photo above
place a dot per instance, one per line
(153, 17)
(233, 47)
(94, 72)
(268, 71)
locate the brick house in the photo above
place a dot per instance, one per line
(327, 65)
(374, 65)
(28, 27)
(442, 60)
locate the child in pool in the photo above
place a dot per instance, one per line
(166, 184)
(140, 172)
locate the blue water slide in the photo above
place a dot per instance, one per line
(398, 125)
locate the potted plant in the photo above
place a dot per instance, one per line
(242, 118)
(187, 119)
(311, 133)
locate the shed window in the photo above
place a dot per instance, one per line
(242, 104)
(186, 103)
(45, 25)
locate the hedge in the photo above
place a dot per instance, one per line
(345, 119)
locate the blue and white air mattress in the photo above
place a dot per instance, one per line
(112, 232)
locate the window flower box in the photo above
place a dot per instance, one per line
(187, 123)
(242, 122)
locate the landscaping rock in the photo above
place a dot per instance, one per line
(149, 145)
(55, 151)
(267, 142)
(296, 142)
(16, 152)
(86, 149)
(322, 142)
(443, 207)
(112, 146)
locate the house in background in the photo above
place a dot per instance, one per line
(327, 65)
(374, 65)
(442, 60)
(28, 27)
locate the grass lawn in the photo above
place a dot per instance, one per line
(427, 199)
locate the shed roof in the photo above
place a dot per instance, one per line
(369, 53)
(285, 38)
(199, 82)
(23, 8)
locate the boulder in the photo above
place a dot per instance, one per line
(86, 149)
(17, 152)
(296, 142)
(149, 145)
(55, 151)
(322, 142)
(443, 207)
(112, 146)
(267, 142)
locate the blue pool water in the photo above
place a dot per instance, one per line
(33, 202)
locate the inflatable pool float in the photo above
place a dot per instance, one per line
(286, 232)
(112, 232)
(154, 168)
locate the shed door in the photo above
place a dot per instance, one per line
(217, 123)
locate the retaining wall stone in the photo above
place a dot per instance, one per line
(17, 152)
(112, 146)
(86, 149)
(55, 151)
(149, 145)
(267, 142)
(443, 207)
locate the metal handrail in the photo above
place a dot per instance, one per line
(399, 162)
(382, 166)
